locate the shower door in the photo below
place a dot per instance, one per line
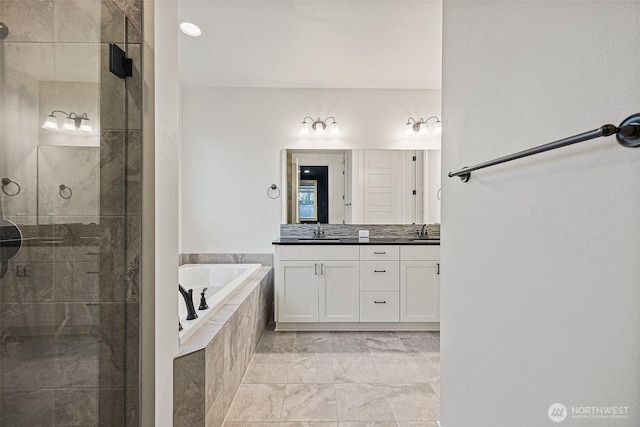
(70, 169)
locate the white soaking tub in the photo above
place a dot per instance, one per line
(221, 280)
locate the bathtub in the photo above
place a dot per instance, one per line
(221, 280)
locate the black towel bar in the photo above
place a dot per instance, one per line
(627, 134)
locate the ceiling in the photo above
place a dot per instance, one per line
(391, 44)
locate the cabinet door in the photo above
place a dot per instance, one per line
(419, 291)
(297, 291)
(339, 291)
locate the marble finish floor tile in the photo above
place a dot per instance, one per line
(413, 402)
(417, 424)
(309, 402)
(320, 344)
(282, 424)
(394, 368)
(340, 379)
(275, 344)
(310, 370)
(436, 388)
(257, 402)
(308, 424)
(363, 402)
(368, 424)
(386, 345)
(349, 345)
(358, 369)
(421, 344)
(429, 365)
(266, 374)
(272, 358)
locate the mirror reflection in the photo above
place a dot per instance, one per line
(68, 184)
(362, 186)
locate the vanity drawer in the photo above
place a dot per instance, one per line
(379, 252)
(420, 253)
(321, 252)
(379, 306)
(379, 276)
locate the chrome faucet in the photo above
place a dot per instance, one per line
(188, 300)
(319, 232)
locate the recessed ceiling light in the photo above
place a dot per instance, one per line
(307, 171)
(190, 29)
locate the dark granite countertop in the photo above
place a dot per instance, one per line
(353, 241)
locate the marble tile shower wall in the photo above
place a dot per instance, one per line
(70, 303)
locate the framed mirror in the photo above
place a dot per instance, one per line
(360, 186)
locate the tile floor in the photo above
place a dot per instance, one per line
(340, 379)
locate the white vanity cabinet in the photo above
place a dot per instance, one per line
(379, 283)
(317, 284)
(420, 284)
(388, 287)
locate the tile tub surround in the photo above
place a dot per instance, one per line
(211, 364)
(341, 379)
(377, 231)
(264, 259)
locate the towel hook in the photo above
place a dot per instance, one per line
(271, 190)
(7, 181)
(68, 193)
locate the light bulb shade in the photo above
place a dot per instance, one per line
(85, 125)
(423, 129)
(190, 29)
(438, 127)
(51, 123)
(69, 124)
(334, 129)
(319, 126)
(408, 128)
(304, 128)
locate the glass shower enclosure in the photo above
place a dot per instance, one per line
(70, 164)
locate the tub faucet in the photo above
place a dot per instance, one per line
(203, 300)
(188, 300)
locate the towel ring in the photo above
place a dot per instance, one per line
(7, 181)
(272, 189)
(64, 188)
(439, 194)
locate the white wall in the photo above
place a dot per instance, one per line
(231, 152)
(540, 257)
(167, 154)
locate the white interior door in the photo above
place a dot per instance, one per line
(296, 191)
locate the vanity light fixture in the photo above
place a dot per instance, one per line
(72, 122)
(319, 126)
(420, 126)
(190, 29)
